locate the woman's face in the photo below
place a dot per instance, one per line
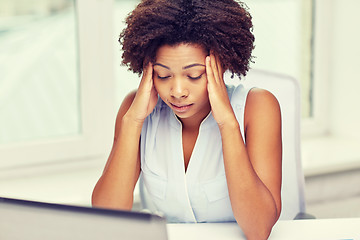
(180, 80)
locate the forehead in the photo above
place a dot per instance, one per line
(181, 54)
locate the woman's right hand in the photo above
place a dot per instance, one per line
(146, 97)
(115, 187)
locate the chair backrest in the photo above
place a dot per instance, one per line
(286, 89)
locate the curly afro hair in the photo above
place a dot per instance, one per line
(221, 26)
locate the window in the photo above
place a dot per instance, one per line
(283, 39)
(331, 140)
(126, 81)
(39, 76)
(56, 88)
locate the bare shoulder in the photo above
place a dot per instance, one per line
(261, 105)
(259, 96)
(126, 103)
(124, 107)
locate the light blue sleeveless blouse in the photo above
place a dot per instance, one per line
(200, 194)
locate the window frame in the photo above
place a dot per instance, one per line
(318, 125)
(94, 25)
(330, 144)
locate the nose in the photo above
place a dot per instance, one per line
(178, 88)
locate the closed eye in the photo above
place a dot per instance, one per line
(195, 78)
(163, 78)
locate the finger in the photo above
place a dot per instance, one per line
(214, 67)
(148, 72)
(147, 75)
(146, 84)
(209, 71)
(220, 71)
(153, 98)
(218, 65)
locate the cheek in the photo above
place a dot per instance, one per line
(206, 95)
(156, 85)
(205, 91)
(201, 92)
(205, 87)
(159, 87)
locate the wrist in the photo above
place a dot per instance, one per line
(228, 120)
(229, 125)
(129, 120)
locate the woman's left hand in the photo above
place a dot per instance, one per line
(218, 96)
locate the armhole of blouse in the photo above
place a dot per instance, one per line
(238, 101)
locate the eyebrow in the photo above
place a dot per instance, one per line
(159, 64)
(194, 65)
(186, 67)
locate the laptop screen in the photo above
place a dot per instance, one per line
(21, 219)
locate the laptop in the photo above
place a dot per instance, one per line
(30, 220)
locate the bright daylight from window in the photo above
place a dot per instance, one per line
(39, 88)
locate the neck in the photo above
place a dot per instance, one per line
(191, 124)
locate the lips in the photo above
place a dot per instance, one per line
(181, 107)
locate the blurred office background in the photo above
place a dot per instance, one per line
(61, 84)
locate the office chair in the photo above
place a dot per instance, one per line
(287, 91)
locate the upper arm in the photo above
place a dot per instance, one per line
(125, 105)
(262, 123)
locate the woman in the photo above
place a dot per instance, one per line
(207, 152)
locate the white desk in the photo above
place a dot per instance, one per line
(318, 229)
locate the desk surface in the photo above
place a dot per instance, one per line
(318, 229)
